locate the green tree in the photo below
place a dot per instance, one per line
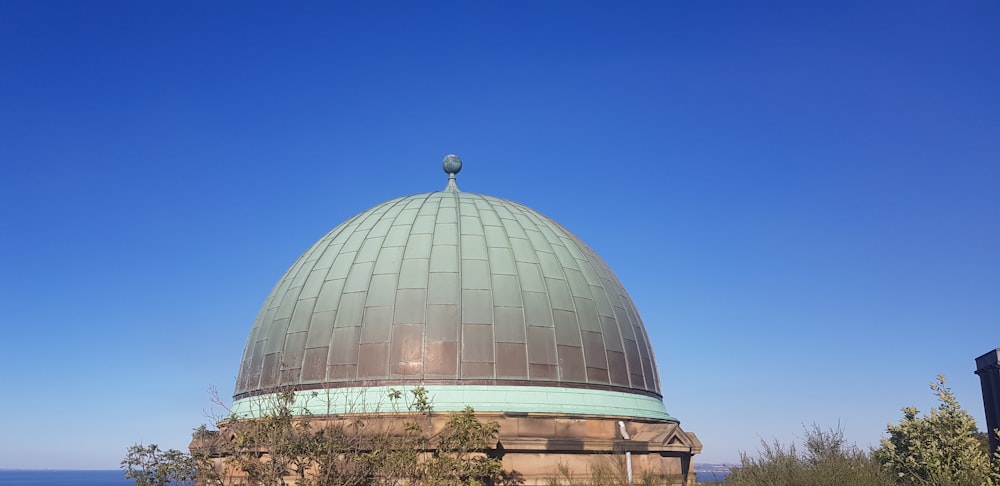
(939, 448)
(152, 466)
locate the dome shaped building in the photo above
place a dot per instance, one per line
(482, 302)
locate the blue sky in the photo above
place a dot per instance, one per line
(801, 197)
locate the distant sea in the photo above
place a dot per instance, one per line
(709, 477)
(117, 478)
(63, 478)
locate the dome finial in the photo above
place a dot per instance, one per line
(451, 164)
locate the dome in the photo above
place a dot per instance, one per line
(482, 301)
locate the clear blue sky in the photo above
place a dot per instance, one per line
(803, 198)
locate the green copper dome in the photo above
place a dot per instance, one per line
(483, 301)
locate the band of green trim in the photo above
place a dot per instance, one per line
(453, 398)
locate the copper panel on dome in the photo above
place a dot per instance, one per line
(444, 258)
(559, 295)
(604, 308)
(577, 284)
(511, 225)
(523, 252)
(543, 372)
(441, 359)
(369, 250)
(542, 345)
(477, 371)
(397, 236)
(345, 346)
(302, 315)
(447, 212)
(382, 290)
(381, 227)
(508, 324)
(329, 295)
(530, 277)
(618, 368)
(587, 314)
(537, 311)
(477, 343)
(471, 225)
(418, 246)
(344, 372)
(424, 222)
(406, 355)
(598, 375)
(506, 291)
(594, 351)
(389, 259)
(477, 307)
(612, 338)
(442, 323)
(487, 215)
(647, 370)
(359, 277)
(405, 219)
(342, 265)
(475, 274)
(496, 238)
(567, 328)
(512, 361)
(444, 288)
(571, 364)
(351, 310)
(550, 266)
(377, 325)
(314, 365)
(321, 328)
(373, 361)
(275, 336)
(269, 373)
(413, 273)
(634, 363)
(502, 260)
(294, 351)
(624, 325)
(290, 376)
(445, 234)
(473, 247)
(409, 306)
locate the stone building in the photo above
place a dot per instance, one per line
(483, 302)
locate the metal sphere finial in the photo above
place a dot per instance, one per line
(452, 164)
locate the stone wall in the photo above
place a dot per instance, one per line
(541, 447)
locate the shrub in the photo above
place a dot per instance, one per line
(279, 441)
(940, 448)
(152, 466)
(827, 460)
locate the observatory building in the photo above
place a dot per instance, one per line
(484, 303)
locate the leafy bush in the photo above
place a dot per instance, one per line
(279, 442)
(943, 447)
(152, 466)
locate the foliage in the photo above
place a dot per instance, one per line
(277, 442)
(940, 448)
(460, 456)
(827, 459)
(152, 466)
